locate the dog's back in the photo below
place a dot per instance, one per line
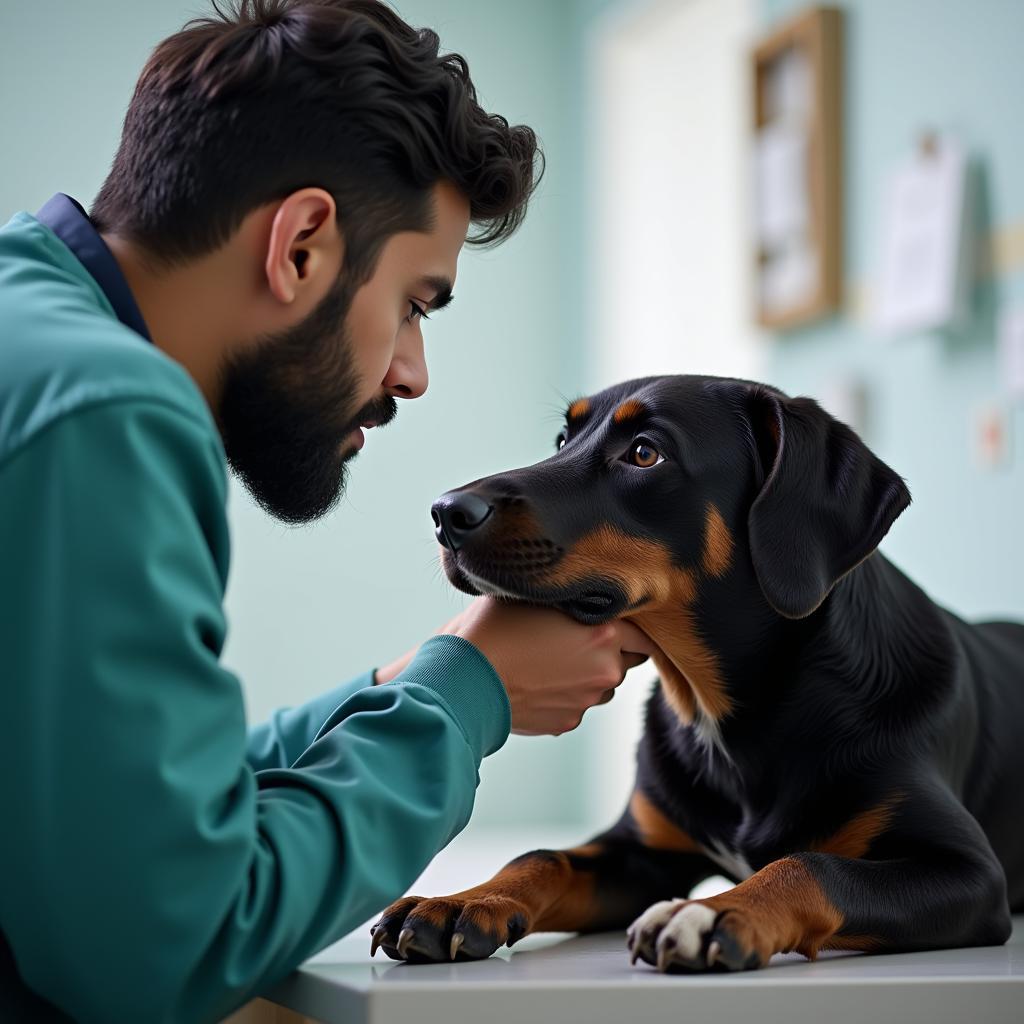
(994, 786)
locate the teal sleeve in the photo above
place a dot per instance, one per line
(278, 742)
(147, 871)
(440, 664)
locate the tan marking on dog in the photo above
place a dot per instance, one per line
(589, 850)
(641, 567)
(778, 909)
(551, 894)
(579, 408)
(854, 839)
(662, 595)
(629, 410)
(718, 543)
(676, 688)
(655, 829)
(695, 676)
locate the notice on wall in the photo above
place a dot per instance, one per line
(924, 276)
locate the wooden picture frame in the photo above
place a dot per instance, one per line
(797, 78)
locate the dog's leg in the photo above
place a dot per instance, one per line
(929, 881)
(600, 885)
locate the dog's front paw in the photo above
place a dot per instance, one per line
(689, 935)
(421, 930)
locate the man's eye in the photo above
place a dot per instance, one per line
(416, 312)
(644, 455)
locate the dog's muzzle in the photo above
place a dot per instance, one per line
(457, 515)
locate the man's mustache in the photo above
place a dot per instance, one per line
(379, 412)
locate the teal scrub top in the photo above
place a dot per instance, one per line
(159, 862)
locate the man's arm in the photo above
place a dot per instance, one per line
(154, 873)
(278, 742)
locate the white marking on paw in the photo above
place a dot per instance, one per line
(686, 930)
(655, 917)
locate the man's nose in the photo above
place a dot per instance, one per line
(407, 375)
(456, 515)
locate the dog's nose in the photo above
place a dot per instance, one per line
(456, 515)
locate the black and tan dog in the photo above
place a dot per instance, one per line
(848, 752)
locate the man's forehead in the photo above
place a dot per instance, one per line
(429, 258)
(421, 261)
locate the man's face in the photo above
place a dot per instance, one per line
(294, 406)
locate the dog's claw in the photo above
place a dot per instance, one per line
(404, 938)
(713, 950)
(664, 955)
(457, 940)
(378, 933)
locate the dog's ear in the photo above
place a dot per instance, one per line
(825, 502)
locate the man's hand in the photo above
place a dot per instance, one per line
(552, 667)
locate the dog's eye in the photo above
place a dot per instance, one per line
(644, 455)
(560, 441)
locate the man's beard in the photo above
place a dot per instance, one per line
(287, 407)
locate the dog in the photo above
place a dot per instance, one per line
(840, 747)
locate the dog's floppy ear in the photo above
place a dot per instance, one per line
(825, 503)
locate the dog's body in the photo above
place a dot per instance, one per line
(823, 734)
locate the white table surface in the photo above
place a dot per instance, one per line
(588, 979)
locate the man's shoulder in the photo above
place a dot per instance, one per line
(61, 348)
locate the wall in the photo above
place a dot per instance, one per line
(953, 66)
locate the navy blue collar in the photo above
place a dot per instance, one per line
(71, 224)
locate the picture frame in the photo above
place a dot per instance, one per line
(797, 143)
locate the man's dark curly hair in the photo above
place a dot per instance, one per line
(270, 96)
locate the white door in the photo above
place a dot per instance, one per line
(669, 285)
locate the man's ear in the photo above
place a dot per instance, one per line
(825, 504)
(304, 244)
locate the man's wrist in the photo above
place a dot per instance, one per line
(466, 681)
(389, 672)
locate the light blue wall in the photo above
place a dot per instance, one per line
(951, 65)
(311, 607)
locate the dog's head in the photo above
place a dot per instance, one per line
(697, 507)
(665, 486)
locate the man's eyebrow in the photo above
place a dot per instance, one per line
(442, 289)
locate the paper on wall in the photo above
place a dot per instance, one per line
(788, 278)
(924, 277)
(780, 162)
(789, 87)
(1011, 350)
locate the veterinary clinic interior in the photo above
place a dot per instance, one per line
(826, 199)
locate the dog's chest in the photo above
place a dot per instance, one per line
(733, 862)
(742, 842)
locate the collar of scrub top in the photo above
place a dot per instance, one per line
(70, 223)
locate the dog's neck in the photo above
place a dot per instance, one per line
(717, 658)
(730, 666)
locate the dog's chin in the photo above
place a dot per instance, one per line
(593, 607)
(589, 602)
(456, 577)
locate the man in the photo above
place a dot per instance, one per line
(293, 187)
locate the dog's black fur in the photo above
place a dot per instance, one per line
(821, 725)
